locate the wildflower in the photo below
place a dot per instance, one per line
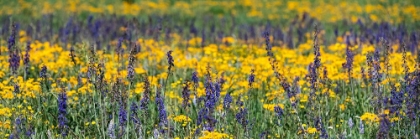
(396, 100)
(122, 118)
(26, 57)
(43, 73)
(263, 135)
(12, 38)
(369, 117)
(14, 61)
(227, 101)
(182, 119)
(361, 127)
(119, 48)
(384, 126)
(214, 135)
(350, 122)
(349, 61)
(279, 112)
(111, 129)
(317, 52)
(312, 130)
(163, 121)
(170, 60)
(320, 127)
(16, 88)
(131, 60)
(146, 95)
(195, 77)
(267, 44)
(185, 95)
(241, 117)
(251, 78)
(133, 109)
(62, 112)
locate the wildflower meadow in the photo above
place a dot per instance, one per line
(191, 69)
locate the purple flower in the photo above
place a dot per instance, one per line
(279, 112)
(170, 60)
(266, 35)
(43, 73)
(350, 123)
(27, 56)
(241, 117)
(320, 127)
(227, 101)
(349, 61)
(12, 38)
(195, 78)
(62, 111)
(384, 126)
(146, 95)
(185, 95)
(16, 88)
(14, 61)
(122, 118)
(361, 127)
(133, 115)
(163, 118)
(251, 78)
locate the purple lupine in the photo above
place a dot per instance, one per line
(348, 65)
(396, 100)
(62, 111)
(12, 39)
(195, 78)
(279, 112)
(16, 88)
(72, 55)
(227, 101)
(170, 60)
(201, 114)
(205, 117)
(384, 126)
(163, 117)
(251, 78)
(320, 127)
(241, 117)
(130, 68)
(134, 108)
(317, 52)
(17, 127)
(266, 35)
(185, 95)
(14, 61)
(350, 122)
(29, 131)
(27, 56)
(361, 127)
(43, 73)
(119, 48)
(122, 118)
(146, 95)
(412, 99)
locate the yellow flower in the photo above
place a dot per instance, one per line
(342, 107)
(369, 117)
(311, 130)
(182, 118)
(270, 107)
(213, 135)
(386, 111)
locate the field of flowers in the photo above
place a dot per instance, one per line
(209, 69)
